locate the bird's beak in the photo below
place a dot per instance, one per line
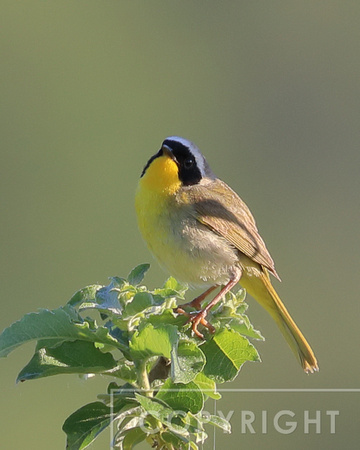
(167, 152)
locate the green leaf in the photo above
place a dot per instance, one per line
(167, 317)
(246, 329)
(107, 300)
(225, 354)
(232, 315)
(136, 276)
(154, 407)
(182, 397)
(131, 438)
(140, 301)
(69, 357)
(117, 394)
(151, 341)
(171, 289)
(172, 283)
(176, 440)
(126, 372)
(163, 413)
(219, 422)
(117, 282)
(85, 424)
(207, 386)
(186, 362)
(87, 294)
(195, 423)
(59, 324)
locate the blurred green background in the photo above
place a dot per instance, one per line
(270, 92)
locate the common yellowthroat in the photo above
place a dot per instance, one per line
(200, 230)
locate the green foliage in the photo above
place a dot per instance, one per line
(164, 375)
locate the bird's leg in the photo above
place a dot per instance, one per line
(196, 303)
(200, 316)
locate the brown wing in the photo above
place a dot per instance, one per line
(222, 210)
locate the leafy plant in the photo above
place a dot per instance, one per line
(162, 374)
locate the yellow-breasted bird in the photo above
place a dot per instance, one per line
(200, 230)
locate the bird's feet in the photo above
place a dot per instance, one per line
(196, 318)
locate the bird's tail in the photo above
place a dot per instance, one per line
(264, 293)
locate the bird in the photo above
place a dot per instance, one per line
(201, 232)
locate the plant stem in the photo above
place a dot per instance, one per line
(143, 379)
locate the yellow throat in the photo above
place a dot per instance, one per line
(156, 187)
(162, 176)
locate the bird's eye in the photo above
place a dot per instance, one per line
(189, 162)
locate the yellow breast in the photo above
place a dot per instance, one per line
(154, 201)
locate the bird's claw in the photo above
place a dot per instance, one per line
(196, 318)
